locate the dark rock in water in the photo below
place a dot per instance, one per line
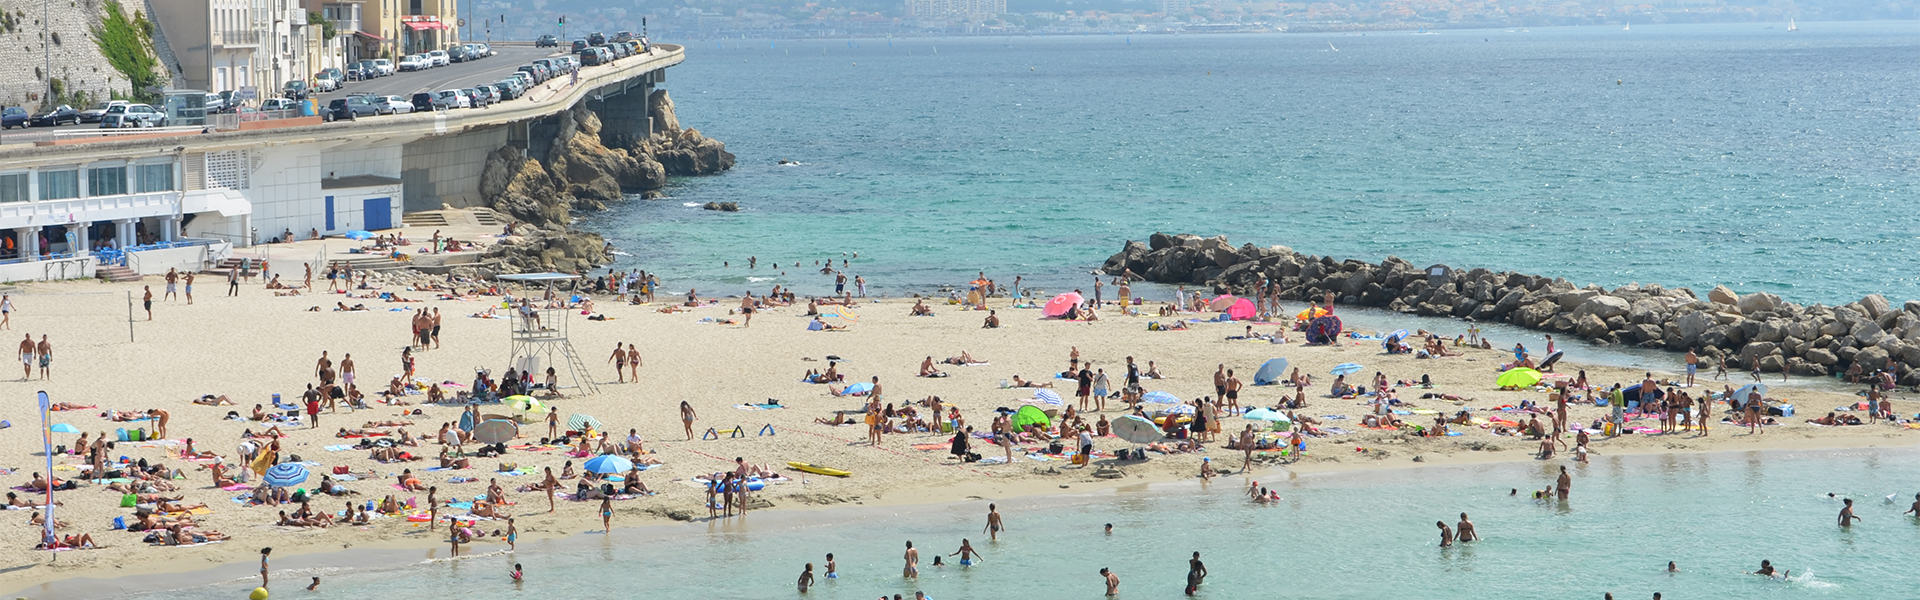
(652, 195)
(722, 206)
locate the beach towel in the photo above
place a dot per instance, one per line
(340, 448)
(237, 487)
(757, 406)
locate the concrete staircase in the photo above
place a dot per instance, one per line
(115, 273)
(222, 267)
(466, 217)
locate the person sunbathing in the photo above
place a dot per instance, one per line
(82, 541)
(166, 506)
(840, 390)
(41, 520)
(387, 455)
(371, 424)
(839, 418)
(39, 484)
(447, 462)
(1153, 372)
(920, 309)
(125, 415)
(928, 370)
(16, 500)
(483, 508)
(965, 358)
(345, 432)
(1027, 383)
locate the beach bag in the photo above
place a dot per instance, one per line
(342, 470)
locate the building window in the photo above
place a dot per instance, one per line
(13, 188)
(107, 181)
(156, 178)
(59, 185)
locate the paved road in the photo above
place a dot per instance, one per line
(505, 60)
(458, 75)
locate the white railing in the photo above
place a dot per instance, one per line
(98, 208)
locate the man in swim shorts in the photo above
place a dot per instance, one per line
(26, 357)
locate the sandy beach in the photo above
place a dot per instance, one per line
(257, 344)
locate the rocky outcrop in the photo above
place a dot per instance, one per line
(539, 249)
(722, 206)
(1808, 340)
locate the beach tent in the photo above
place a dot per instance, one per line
(1031, 415)
(1047, 397)
(1241, 310)
(1323, 330)
(1061, 305)
(1136, 430)
(607, 464)
(1518, 378)
(1393, 338)
(579, 422)
(1222, 303)
(1271, 372)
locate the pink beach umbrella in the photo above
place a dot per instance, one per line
(1061, 304)
(1241, 311)
(1222, 303)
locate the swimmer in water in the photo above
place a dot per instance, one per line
(1446, 535)
(968, 556)
(806, 578)
(1465, 529)
(1916, 506)
(1766, 568)
(1672, 568)
(831, 573)
(1846, 514)
(516, 574)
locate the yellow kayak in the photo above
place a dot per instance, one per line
(813, 468)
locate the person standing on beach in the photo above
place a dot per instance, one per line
(994, 526)
(606, 514)
(1233, 393)
(1465, 529)
(173, 282)
(233, 281)
(550, 485)
(686, 418)
(346, 369)
(860, 283)
(436, 327)
(1100, 384)
(1693, 366)
(1085, 389)
(619, 360)
(746, 310)
(912, 557)
(146, 301)
(1846, 514)
(1096, 291)
(633, 362)
(1113, 581)
(406, 362)
(263, 565)
(45, 352)
(513, 532)
(27, 348)
(1246, 448)
(1446, 535)
(1753, 412)
(6, 311)
(1564, 485)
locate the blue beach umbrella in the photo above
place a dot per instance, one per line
(1178, 409)
(359, 234)
(1160, 398)
(1047, 397)
(607, 463)
(63, 428)
(285, 475)
(859, 388)
(1346, 368)
(1271, 372)
(1265, 414)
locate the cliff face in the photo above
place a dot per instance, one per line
(580, 171)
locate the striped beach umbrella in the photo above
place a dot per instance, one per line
(285, 475)
(1047, 397)
(579, 422)
(1160, 398)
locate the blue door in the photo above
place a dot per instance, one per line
(379, 213)
(330, 213)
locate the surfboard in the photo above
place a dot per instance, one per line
(817, 469)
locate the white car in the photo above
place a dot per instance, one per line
(439, 58)
(526, 81)
(395, 104)
(456, 98)
(415, 62)
(385, 66)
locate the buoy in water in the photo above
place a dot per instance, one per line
(259, 593)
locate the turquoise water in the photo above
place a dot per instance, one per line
(1689, 155)
(1356, 535)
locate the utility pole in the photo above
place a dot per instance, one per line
(46, 48)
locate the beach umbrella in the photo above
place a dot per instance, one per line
(1324, 329)
(1177, 409)
(285, 475)
(1310, 313)
(63, 428)
(1061, 305)
(525, 407)
(840, 317)
(497, 431)
(1271, 372)
(1346, 368)
(1160, 398)
(1047, 397)
(1031, 415)
(1222, 303)
(1518, 378)
(581, 422)
(359, 234)
(1136, 430)
(858, 388)
(1241, 311)
(607, 463)
(1265, 414)
(1741, 394)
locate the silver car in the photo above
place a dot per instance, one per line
(395, 104)
(132, 115)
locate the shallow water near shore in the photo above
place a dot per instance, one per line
(1365, 534)
(1677, 154)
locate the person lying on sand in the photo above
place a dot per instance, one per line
(345, 432)
(342, 307)
(388, 455)
(16, 500)
(839, 418)
(965, 358)
(841, 390)
(60, 406)
(39, 484)
(1026, 383)
(212, 400)
(371, 424)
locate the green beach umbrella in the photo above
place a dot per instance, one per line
(1518, 378)
(1030, 415)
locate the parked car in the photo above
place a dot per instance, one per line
(485, 50)
(459, 54)
(456, 98)
(532, 72)
(92, 113)
(428, 101)
(595, 56)
(415, 62)
(395, 105)
(379, 103)
(55, 116)
(596, 38)
(385, 67)
(328, 79)
(216, 104)
(132, 115)
(482, 96)
(439, 58)
(13, 116)
(372, 70)
(546, 41)
(296, 90)
(619, 50)
(579, 45)
(355, 73)
(279, 104)
(351, 108)
(526, 81)
(573, 63)
(623, 36)
(504, 90)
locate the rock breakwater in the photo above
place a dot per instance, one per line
(1811, 340)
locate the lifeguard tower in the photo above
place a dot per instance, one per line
(539, 333)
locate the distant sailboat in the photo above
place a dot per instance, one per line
(1629, 27)
(1791, 26)
(1330, 47)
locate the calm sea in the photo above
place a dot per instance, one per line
(1692, 155)
(1349, 536)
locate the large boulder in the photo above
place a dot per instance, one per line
(1574, 299)
(1590, 326)
(1876, 305)
(1822, 356)
(1759, 301)
(1691, 325)
(1868, 332)
(1756, 350)
(1217, 250)
(1723, 295)
(1871, 357)
(1605, 307)
(521, 187)
(660, 107)
(1132, 257)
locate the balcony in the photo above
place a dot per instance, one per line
(237, 38)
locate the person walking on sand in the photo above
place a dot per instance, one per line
(307, 281)
(233, 281)
(513, 532)
(686, 418)
(994, 526)
(619, 360)
(1846, 514)
(146, 301)
(27, 348)
(746, 310)
(45, 352)
(633, 362)
(6, 311)
(550, 485)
